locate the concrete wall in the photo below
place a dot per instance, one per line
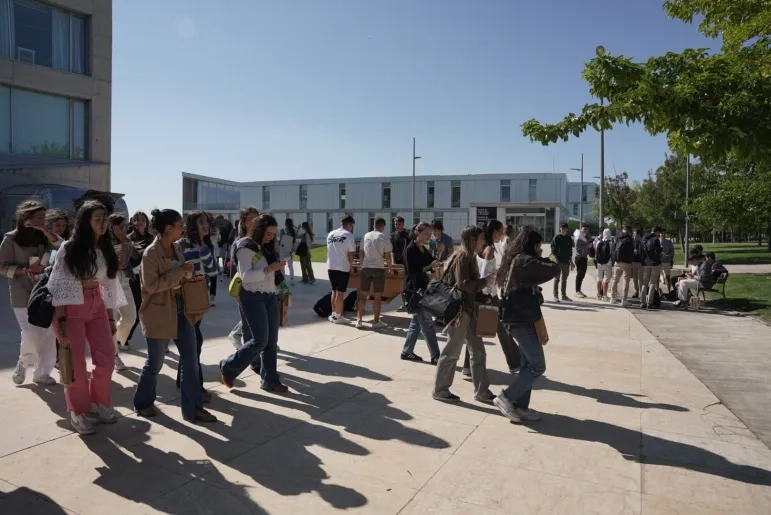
(95, 88)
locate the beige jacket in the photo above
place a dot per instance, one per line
(159, 276)
(14, 256)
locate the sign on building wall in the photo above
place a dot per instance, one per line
(485, 214)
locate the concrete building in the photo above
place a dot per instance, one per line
(55, 93)
(539, 199)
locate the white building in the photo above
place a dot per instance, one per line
(542, 200)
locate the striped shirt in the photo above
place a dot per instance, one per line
(204, 262)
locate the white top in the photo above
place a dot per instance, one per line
(67, 290)
(287, 244)
(254, 278)
(375, 246)
(487, 267)
(339, 244)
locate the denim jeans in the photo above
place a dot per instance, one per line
(532, 367)
(261, 320)
(509, 347)
(144, 396)
(199, 343)
(421, 321)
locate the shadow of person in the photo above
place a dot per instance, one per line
(331, 368)
(27, 501)
(655, 450)
(628, 400)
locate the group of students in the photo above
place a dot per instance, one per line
(101, 280)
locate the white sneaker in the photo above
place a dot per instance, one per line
(359, 324)
(120, 366)
(19, 373)
(45, 380)
(340, 319)
(103, 414)
(332, 318)
(506, 408)
(81, 424)
(379, 325)
(211, 301)
(530, 415)
(625, 303)
(606, 299)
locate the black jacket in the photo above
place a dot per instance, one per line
(415, 261)
(399, 242)
(530, 271)
(623, 249)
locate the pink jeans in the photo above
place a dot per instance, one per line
(88, 322)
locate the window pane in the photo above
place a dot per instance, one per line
(34, 34)
(430, 196)
(41, 124)
(80, 130)
(78, 45)
(330, 222)
(5, 25)
(5, 117)
(455, 194)
(61, 40)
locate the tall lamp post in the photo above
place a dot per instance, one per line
(414, 158)
(687, 195)
(600, 50)
(581, 191)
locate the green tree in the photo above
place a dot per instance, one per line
(619, 197)
(708, 104)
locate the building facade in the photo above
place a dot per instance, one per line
(55, 93)
(542, 200)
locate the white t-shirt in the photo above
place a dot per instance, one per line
(339, 243)
(375, 245)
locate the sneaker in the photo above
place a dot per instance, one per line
(234, 341)
(401, 309)
(600, 297)
(486, 397)
(615, 300)
(507, 408)
(359, 324)
(643, 306)
(149, 412)
(565, 298)
(411, 357)
(211, 301)
(44, 380)
(625, 304)
(580, 295)
(636, 296)
(445, 397)
(466, 373)
(278, 388)
(556, 299)
(313, 281)
(529, 415)
(119, 364)
(514, 371)
(80, 424)
(606, 299)
(19, 373)
(379, 325)
(201, 415)
(332, 318)
(435, 361)
(103, 414)
(340, 319)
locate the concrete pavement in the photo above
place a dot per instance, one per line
(628, 429)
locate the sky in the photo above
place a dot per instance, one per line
(252, 90)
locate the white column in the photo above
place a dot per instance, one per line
(557, 220)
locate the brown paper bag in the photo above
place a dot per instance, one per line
(540, 329)
(283, 310)
(66, 371)
(487, 321)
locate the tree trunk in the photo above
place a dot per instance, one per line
(768, 237)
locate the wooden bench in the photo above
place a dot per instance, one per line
(721, 281)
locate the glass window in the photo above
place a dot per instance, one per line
(386, 195)
(78, 45)
(506, 191)
(266, 197)
(430, 194)
(531, 192)
(5, 28)
(584, 193)
(303, 196)
(371, 222)
(330, 222)
(79, 130)
(5, 118)
(455, 194)
(189, 194)
(41, 124)
(575, 209)
(342, 195)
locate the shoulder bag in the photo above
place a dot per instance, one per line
(442, 300)
(195, 296)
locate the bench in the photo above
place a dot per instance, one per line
(719, 282)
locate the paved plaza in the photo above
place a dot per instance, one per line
(628, 429)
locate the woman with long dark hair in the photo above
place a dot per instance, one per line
(162, 316)
(204, 262)
(306, 267)
(127, 313)
(523, 269)
(260, 268)
(24, 254)
(462, 271)
(85, 291)
(287, 241)
(141, 238)
(417, 261)
(494, 232)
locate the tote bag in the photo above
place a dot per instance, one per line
(195, 296)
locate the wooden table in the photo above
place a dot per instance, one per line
(394, 285)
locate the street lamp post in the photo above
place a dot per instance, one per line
(600, 50)
(414, 158)
(687, 194)
(581, 191)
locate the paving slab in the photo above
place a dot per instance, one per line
(628, 428)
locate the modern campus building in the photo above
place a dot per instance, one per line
(55, 101)
(539, 199)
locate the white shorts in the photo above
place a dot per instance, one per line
(604, 272)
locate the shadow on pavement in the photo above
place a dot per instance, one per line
(26, 501)
(648, 449)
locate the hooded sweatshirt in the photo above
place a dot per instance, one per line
(581, 246)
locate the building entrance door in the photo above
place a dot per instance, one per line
(536, 221)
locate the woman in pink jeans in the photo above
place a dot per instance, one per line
(86, 292)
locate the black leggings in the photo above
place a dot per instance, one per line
(136, 292)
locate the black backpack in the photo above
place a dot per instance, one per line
(624, 250)
(602, 254)
(302, 249)
(323, 307)
(649, 250)
(349, 304)
(656, 300)
(40, 309)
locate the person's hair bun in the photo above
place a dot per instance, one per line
(155, 212)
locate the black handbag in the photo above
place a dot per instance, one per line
(40, 309)
(442, 301)
(302, 249)
(413, 301)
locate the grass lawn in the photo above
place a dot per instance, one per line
(737, 253)
(319, 254)
(746, 293)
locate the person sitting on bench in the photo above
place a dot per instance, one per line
(717, 267)
(701, 279)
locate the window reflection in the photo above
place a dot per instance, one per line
(210, 196)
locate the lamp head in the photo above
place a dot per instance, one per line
(600, 50)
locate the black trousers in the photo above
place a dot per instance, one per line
(581, 264)
(136, 292)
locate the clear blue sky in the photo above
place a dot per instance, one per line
(261, 90)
